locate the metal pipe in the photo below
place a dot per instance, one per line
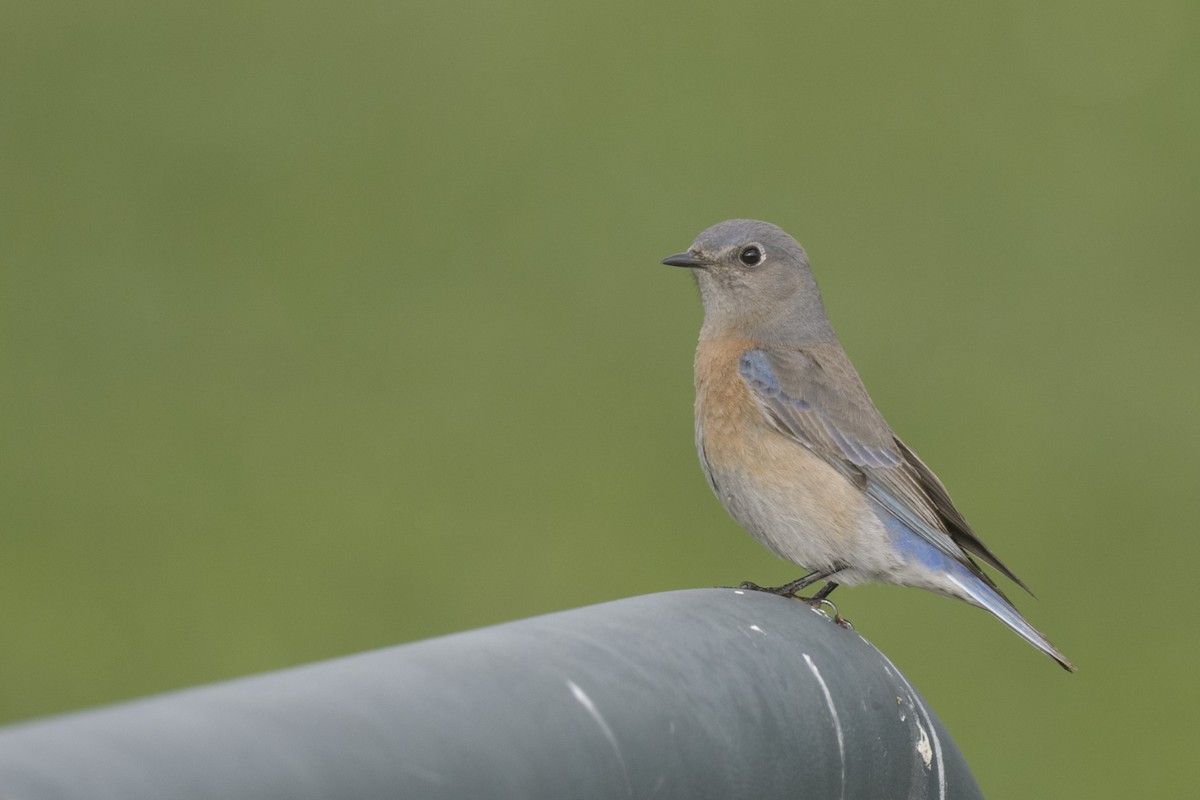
(692, 694)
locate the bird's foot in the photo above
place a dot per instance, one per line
(783, 591)
(819, 603)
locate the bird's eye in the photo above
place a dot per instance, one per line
(750, 256)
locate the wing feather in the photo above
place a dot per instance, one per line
(814, 396)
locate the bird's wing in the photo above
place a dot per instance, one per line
(952, 521)
(814, 396)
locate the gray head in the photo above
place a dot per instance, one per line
(755, 282)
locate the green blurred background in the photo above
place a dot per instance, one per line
(325, 327)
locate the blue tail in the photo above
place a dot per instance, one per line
(961, 581)
(988, 598)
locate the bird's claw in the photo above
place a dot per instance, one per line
(819, 604)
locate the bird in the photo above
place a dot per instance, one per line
(796, 451)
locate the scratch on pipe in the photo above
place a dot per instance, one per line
(837, 723)
(923, 741)
(590, 707)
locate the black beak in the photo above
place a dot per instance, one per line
(683, 260)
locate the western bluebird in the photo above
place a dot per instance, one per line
(796, 451)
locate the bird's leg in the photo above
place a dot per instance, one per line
(790, 589)
(820, 596)
(817, 601)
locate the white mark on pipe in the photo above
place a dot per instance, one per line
(590, 707)
(837, 723)
(923, 747)
(925, 737)
(758, 630)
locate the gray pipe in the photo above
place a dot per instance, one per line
(711, 693)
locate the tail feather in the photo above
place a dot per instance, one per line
(975, 591)
(960, 578)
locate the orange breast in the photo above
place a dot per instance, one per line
(725, 409)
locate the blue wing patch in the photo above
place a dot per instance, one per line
(755, 369)
(803, 420)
